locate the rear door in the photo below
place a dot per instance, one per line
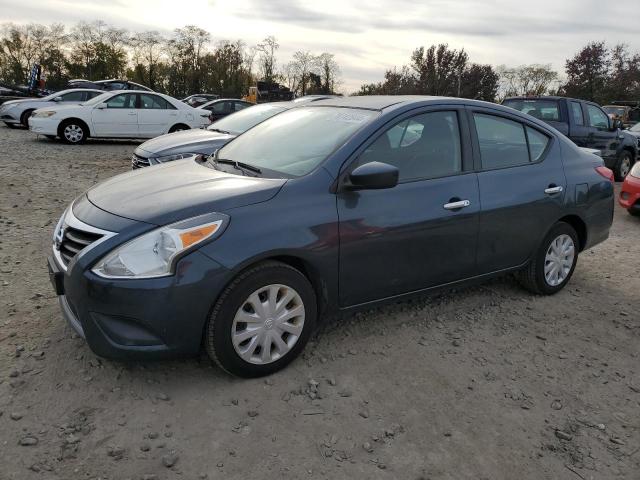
(155, 115)
(579, 131)
(522, 187)
(423, 232)
(118, 119)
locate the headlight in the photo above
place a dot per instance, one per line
(57, 233)
(43, 114)
(170, 158)
(155, 253)
(635, 170)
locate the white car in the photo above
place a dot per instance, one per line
(17, 112)
(120, 114)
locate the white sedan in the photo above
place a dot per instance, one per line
(121, 114)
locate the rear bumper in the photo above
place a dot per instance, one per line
(629, 197)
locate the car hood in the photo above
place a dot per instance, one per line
(186, 141)
(66, 108)
(22, 100)
(178, 190)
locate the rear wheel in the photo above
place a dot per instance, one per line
(24, 118)
(262, 320)
(73, 131)
(10, 125)
(623, 165)
(553, 265)
(179, 127)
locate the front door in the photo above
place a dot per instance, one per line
(522, 188)
(600, 135)
(118, 119)
(421, 233)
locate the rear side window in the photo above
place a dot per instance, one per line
(237, 106)
(502, 142)
(576, 113)
(537, 144)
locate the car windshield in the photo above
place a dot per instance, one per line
(541, 109)
(298, 140)
(243, 120)
(99, 99)
(614, 111)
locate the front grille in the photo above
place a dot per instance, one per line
(139, 162)
(74, 241)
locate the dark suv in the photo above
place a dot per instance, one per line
(333, 205)
(587, 125)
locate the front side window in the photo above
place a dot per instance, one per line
(295, 142)
(154, 102)
(424, 146)
(124, 100)
(576, 112)
(73, 97)
(597, 118)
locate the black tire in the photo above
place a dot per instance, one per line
(24, 118)
(623, 165)
(634, 212)
(77, 126)
(218, 331)
(9, 125)
(178, 128)
(533, 278)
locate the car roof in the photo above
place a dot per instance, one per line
(545, 97)
(382, 102)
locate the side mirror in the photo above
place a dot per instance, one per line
(617, 124)
(373, 176)
(57, 99)
(101, 106)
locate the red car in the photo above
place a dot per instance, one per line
(630, 193)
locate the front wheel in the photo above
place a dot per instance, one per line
(623, 166)
(262, 320)
(553, 265)
(73, 132)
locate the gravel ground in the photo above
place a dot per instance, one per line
(487, 382)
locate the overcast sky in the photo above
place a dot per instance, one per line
(369, 37)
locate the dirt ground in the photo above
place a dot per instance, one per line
(488, 382)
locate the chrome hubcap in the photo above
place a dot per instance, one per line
(559, 260)
(73, 133)
(268, 324)
(625, 167)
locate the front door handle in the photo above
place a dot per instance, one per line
(457, 205)
(552, 189)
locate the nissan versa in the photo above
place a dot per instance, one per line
(336, 205)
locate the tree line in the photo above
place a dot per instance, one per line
(596, 73)
(179, 64)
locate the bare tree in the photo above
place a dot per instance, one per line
(329, 71)
(304, 65)
(267, 49)
(524, 80)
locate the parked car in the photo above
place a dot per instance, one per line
(627, 112)
(129, 114)
(179, 145)
(630, 191)
(224, 106)
(17, 112)
(324, 207)
(587, 125)
(108, 85)
(175, 146)
(200, 99)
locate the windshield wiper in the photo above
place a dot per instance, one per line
(218, 130)
(239, 165)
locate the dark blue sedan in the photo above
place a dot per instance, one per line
(335, 205)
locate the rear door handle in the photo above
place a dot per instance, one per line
(552, 189)
(456, 205)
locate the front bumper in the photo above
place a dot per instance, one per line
(7, 117)
(630, 194)
(140, 318)
(43, 126)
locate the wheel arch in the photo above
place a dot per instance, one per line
(74, 119)
(24, 116)
(179, 124)
(579, 226)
